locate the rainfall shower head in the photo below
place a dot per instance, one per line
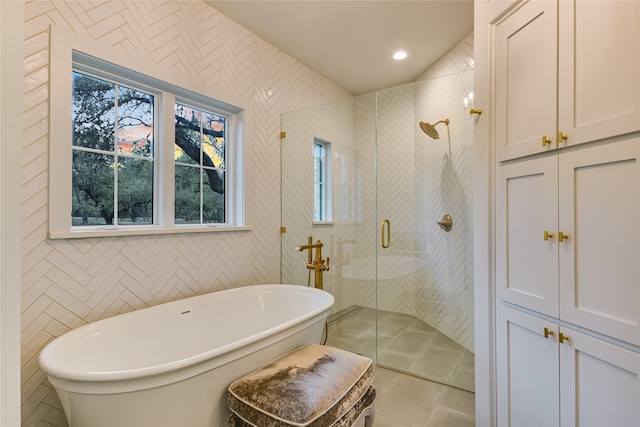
(430, 129)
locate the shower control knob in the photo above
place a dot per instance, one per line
(446, 223)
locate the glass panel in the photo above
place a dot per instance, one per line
(135, 122)
(187, 195)
(213, 142)
(135, 191)
(212, 199)
(188, 136)
(93, 112)
(425, 277)
(92, 184)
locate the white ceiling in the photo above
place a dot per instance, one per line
(351, 42)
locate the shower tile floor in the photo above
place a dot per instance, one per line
(431, 380)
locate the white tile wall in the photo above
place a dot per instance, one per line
(66, 283)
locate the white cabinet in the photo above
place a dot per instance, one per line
(527, 371)
(526, 207)
(560, 81)
(568, 237)
(565, 73)
(553, 375)
(599, 209)
(526, 80)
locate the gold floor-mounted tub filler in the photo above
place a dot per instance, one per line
(316, 263)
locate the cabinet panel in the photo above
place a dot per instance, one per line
(600, 383)
(527, 371)
(526, 80)
(526, 264)
(495, 8)
(599, 209)
(599, 69)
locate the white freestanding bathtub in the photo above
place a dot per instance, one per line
(170, 365)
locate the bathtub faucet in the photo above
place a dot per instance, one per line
(317, 264)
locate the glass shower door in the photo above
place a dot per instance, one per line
(423, 272)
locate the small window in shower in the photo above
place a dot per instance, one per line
(321, 180)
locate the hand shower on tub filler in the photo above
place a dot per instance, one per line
(316, 263)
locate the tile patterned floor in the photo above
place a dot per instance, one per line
(417, 397)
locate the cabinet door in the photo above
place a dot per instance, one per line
(527, 371)
(526, 80)
(599, 69)
(527, 206)
(599, 210)
(599, 383)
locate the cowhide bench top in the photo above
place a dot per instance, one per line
(315, 386)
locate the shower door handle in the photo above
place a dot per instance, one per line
(388, 227)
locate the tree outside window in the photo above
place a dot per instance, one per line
(113, 153)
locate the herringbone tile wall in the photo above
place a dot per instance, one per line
(67, 283)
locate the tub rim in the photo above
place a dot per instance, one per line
(49, 365)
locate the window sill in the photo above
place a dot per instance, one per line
(321, 223)
(127, 231)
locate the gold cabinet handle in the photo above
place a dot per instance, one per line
(562, 137)
(386, 244)
(474, 111)
(545, 141)
(547, 235)
(548, 333)
(562, 237)
(562, 338)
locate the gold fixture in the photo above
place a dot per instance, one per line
(283, 230)
(562, 137)
(474, 111)
(430, 129)
(562, 237)
(447, 223)
(317, 264)
(545, 141)
(388, 224)
(283, 135)
(548, 332)
(547, 235)
(562, 338)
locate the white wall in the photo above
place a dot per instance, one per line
(11, 23)
(66, 283)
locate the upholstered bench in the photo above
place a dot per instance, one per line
(314, 386)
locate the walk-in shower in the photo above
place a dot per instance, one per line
(402, 283)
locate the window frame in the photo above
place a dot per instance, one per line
(324, 182)
(70, 52)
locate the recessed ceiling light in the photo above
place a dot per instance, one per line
(399, 55)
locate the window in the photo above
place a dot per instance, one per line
(200, 166)
(113, 154)
(142, 151)
(321, 181)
